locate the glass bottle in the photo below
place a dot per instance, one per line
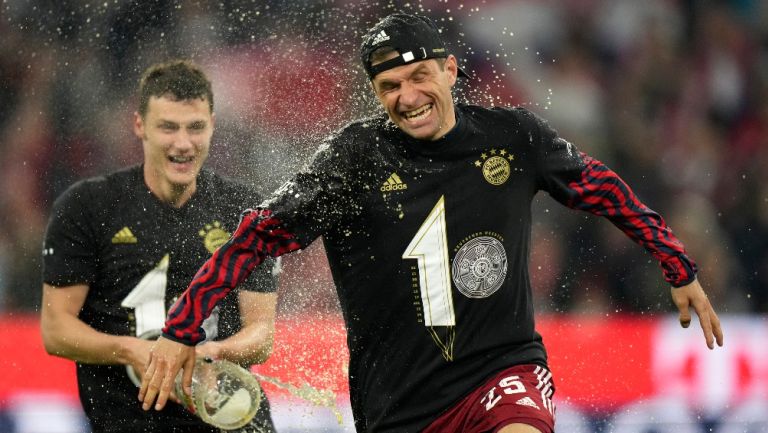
(224, 394)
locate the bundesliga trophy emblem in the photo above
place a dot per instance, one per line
(224, 394)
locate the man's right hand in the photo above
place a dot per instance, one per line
(166, 358)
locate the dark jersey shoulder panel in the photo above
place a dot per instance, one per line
(321, 196)
(70, 249)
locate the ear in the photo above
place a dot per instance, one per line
(138, 125)
(452, 67)
(373, 88)
(376, 94)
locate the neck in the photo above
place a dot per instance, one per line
(179, 195)
(448, 126)
(174, 195)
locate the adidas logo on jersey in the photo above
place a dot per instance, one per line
(394, 183)
(124, 236)
(380, 37)
(526, 401)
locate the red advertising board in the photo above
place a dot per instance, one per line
(600, 363)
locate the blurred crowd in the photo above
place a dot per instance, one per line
(671, 94)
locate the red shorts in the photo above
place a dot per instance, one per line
(521, 394)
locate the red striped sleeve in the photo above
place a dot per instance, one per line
(257, 236)
(602, 192)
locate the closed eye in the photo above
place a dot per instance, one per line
(197, 126)
(387, 86)
(168, 126)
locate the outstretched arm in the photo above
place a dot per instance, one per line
(602, 192)
(581, 182)
(257, 236)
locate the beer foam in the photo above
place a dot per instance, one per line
(237, 408)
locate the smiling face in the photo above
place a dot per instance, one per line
(176, 137)
(417, 96)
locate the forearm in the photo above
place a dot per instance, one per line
(252, 345)
(65, 335)
(69, 337)
(257, 236)
(602, 192)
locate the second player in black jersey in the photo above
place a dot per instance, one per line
(426, 218)
(121, 248)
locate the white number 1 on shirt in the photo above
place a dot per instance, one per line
(430, 248)
(148, 299)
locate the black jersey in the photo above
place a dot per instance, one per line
(137, 255)
(428, 244)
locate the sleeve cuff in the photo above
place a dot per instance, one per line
(178, 340)
(679, 270)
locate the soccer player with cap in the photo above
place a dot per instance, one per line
(426, 220)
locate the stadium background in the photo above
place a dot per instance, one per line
(672, 94)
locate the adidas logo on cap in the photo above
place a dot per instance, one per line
(380, 37)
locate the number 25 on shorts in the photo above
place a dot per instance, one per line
(508, 385)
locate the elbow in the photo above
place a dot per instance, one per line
(53, 342)
(52, 349)
(48, 346)
(268, 348)
(49, 339)
(265, 351)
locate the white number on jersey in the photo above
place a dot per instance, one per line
(148, 299)
(430, 248)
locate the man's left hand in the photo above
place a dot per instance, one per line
(166, 358)
(693, 295)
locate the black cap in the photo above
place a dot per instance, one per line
(414, 37)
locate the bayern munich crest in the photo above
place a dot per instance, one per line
(213, 236)
(480, 267)
(495, 166)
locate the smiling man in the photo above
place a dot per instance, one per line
(120, 249)
(425, 215)
(176, 138)
(417, 97)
